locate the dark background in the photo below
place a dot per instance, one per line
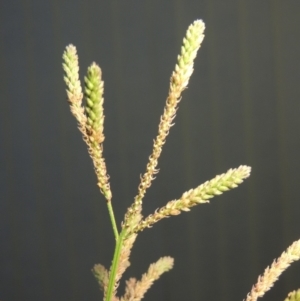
(242, 107)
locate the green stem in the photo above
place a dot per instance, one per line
(113, 271)
(112, 219)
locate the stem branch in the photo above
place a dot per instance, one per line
(114, 267)
(112, 219)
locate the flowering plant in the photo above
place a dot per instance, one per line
(90, 119)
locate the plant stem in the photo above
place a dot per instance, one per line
(112, 219)
(115, 263)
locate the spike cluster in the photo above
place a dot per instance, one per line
(179, 80)
(229, 180)
(90, 120)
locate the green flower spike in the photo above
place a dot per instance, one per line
(200, 195)
(93, 91)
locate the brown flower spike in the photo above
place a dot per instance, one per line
(272, 273)
(179, 80)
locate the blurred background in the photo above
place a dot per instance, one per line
(241, 107)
